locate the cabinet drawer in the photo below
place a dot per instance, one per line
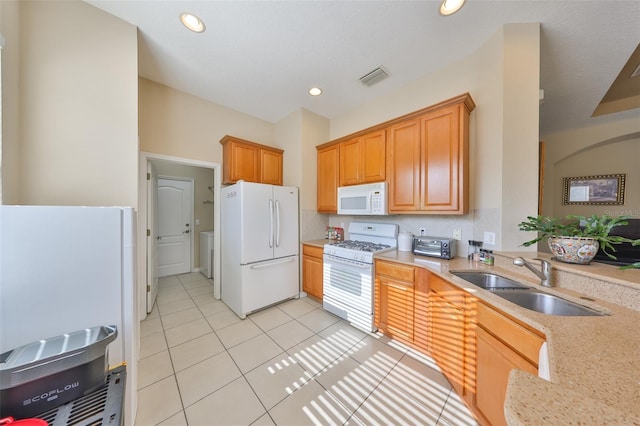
(312, 251)
(395, 270)
(516, 336)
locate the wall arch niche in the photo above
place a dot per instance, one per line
(612, 156)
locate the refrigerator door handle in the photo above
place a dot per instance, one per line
(277, 223)
(269, 264)
(270, 223)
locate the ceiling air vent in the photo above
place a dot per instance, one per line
(375, 76)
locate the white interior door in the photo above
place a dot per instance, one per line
(152, 236)
(175, 206)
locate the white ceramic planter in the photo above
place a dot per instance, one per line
(573, 249)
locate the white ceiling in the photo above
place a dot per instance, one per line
(261, 57)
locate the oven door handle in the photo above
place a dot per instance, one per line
(331, 259)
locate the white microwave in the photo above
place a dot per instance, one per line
(367, 199)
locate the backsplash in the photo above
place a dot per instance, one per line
(472, 225)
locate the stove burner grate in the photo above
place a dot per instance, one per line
(364, 246)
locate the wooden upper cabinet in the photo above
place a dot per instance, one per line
(240, 162)
(251, 162)
(403, 153)
(423, 156)
(441, 161)
(270, 166)
(350, 160)
(428, 160)
(328, 178)
(363, 159)
(374, 157)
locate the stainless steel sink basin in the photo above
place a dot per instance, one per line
(545, 303)
(525, 296)
(489, 281)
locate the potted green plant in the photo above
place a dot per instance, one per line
(576, 239)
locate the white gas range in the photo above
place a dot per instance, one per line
(348, 271)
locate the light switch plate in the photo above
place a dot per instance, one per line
(490, 238)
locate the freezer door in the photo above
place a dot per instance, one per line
(266, 283)
(286, 240)
(256, 222)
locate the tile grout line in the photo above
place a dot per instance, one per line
(347, 352)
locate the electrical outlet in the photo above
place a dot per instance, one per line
(490, 238)
(422, 231)
(457, 234)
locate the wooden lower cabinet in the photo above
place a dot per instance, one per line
(447, 303)
(394, 297)
(312, 270)
(421, 311)
(475, 345)
(502, 345)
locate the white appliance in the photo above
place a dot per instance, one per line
(260, 245)
(64, 269)
(206, 253)
(367, 199)
(348, 271)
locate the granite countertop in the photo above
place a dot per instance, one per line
(317, 243)
(594, 361)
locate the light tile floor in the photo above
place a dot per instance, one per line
(292, 364)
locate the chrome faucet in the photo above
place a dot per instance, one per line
(544, 273)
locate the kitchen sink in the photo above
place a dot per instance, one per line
(546, 303)
(525, 296)
(489, 281)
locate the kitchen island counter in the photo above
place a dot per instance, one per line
(594, 362)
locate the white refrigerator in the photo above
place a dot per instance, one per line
(64, 269)
(259, 245)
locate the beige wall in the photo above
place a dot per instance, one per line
(520, 134)
(288, 135)
(78, 106)
(610, 148)
(178, 124)
(502, 77)
(315, 131)
(10, 140)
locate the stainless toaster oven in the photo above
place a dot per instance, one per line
(443, 248)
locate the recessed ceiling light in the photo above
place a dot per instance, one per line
(192, 22)
(449, 7)
(315, 91)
